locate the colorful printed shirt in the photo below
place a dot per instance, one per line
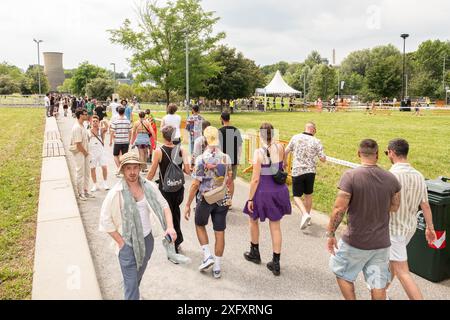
(306, 150)
(194, 125)
(210, 169)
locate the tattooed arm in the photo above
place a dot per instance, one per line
(339, 210)
(395, 202)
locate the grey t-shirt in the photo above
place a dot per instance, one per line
(371, 190)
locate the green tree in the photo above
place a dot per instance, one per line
(356, 62)
(32, 74)
(313, 59)
(323, 82)
(67, 86)
(239, 76)
(100, 88)
(8, 85)
(159, 44)
(84, 74)
(125, 91)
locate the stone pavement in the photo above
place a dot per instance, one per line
(304, 259)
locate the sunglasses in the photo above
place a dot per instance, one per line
(386, 152)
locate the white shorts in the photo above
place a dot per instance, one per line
(398, 247)
(97, 159)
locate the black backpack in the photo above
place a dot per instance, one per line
(173, 179)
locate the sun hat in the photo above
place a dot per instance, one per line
(212, 136)
(130, 158)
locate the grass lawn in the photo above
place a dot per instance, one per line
(21, 136)
(341, 133)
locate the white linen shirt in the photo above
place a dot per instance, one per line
(111, 212)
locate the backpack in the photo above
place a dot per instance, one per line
(174, 177)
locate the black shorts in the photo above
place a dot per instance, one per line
(120, 147)
(303, 184)
(218, 215)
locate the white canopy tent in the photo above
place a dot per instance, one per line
(276, 86)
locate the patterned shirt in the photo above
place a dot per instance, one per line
(210, 169)
(413, 193)
(306, 150)
(121, 128)
(194, 125)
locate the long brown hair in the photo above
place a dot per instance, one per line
(266, 132)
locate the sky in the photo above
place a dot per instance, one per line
(266, 31)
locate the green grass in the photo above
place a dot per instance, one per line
(341, 133)
(21, 136)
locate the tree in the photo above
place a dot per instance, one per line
(84, 74)
(239, 76)
(100, 88)
(8, 85)
(323, 82)
(313, 59)
(159, 44)
(32, 74)
(67, 86)
(125, 91)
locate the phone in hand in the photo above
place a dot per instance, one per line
(168, 238)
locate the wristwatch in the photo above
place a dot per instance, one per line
(330, 234)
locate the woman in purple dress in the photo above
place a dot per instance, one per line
(267, 199)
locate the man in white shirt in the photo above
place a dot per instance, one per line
(114, 106)
(403, 222)
(47, 104)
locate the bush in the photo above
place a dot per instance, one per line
(100, 88)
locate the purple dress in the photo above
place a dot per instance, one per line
(271, 200)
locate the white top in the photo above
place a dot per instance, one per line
(95, 146)
(114, 107)
(173, 120)
(47, 101)
(145, 217)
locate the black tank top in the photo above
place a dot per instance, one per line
(165, 161)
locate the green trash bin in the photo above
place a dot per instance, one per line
(433, 262)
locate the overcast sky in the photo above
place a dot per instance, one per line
(266, 31)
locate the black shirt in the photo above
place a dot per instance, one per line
(230, 140)
(99, 112)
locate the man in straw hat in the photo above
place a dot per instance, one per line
(212, 170)
(133, 213)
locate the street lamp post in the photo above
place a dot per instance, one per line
(39, 64)
(114, 75)
(404, 36)
(187, 75)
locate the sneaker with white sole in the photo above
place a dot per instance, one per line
(216, 274)
(82, 197)
(89, 195)
(305, 219)
(105, 186)
(310, 222)
(206, 263)
(94, 188)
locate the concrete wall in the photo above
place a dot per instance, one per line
(53, 69)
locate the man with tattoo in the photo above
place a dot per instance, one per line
(369, 194)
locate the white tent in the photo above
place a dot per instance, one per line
(276, 86)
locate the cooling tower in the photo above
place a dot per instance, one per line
(53, 69)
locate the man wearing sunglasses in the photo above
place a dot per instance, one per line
(403, 222)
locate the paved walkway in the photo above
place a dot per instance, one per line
(304, 260)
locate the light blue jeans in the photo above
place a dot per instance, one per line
(131, 275)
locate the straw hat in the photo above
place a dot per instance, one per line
(130, 158)
(212, 136)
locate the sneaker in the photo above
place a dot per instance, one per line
(173, 261)
(310, 222)
(216, 274)
(82, 197)
(89, 195)
(105, 186)
(206, 263)
(305, 219)
(94, 188)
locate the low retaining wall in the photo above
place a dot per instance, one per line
(63, 266)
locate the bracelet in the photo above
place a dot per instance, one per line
(251, 200)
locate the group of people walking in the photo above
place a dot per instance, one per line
(381, 205)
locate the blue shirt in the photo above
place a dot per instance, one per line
(128, 112)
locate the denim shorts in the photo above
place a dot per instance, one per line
(349, 262)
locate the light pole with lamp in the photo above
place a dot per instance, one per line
(114, 75)
(39, 64)
(404, 36)
(187, 73)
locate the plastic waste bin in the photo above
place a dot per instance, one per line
(432, 262)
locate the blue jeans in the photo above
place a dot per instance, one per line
(131, 275)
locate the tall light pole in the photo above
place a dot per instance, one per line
(114, 75)
(187, 74)
(443, 72)
(404, 36)
(39, 64)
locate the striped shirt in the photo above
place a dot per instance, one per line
(413, 193)
(121, 128)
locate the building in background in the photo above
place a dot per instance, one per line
(53, 69)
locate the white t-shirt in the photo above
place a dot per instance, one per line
(47, 101)
(95, 146)
(145, 216)
(114, 109)
(173, 120)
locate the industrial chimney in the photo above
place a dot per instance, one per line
(53, 69)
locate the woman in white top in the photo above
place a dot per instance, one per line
(173, 120)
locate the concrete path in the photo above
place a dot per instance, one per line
(304, 260)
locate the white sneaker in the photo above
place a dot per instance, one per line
(94, 188)
(216, 274)
(206, 263)
(305, 219)
(82, 197)
(310, 222)
(89, 195)
(105, 185)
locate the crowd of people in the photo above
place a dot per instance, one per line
(381, 205)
